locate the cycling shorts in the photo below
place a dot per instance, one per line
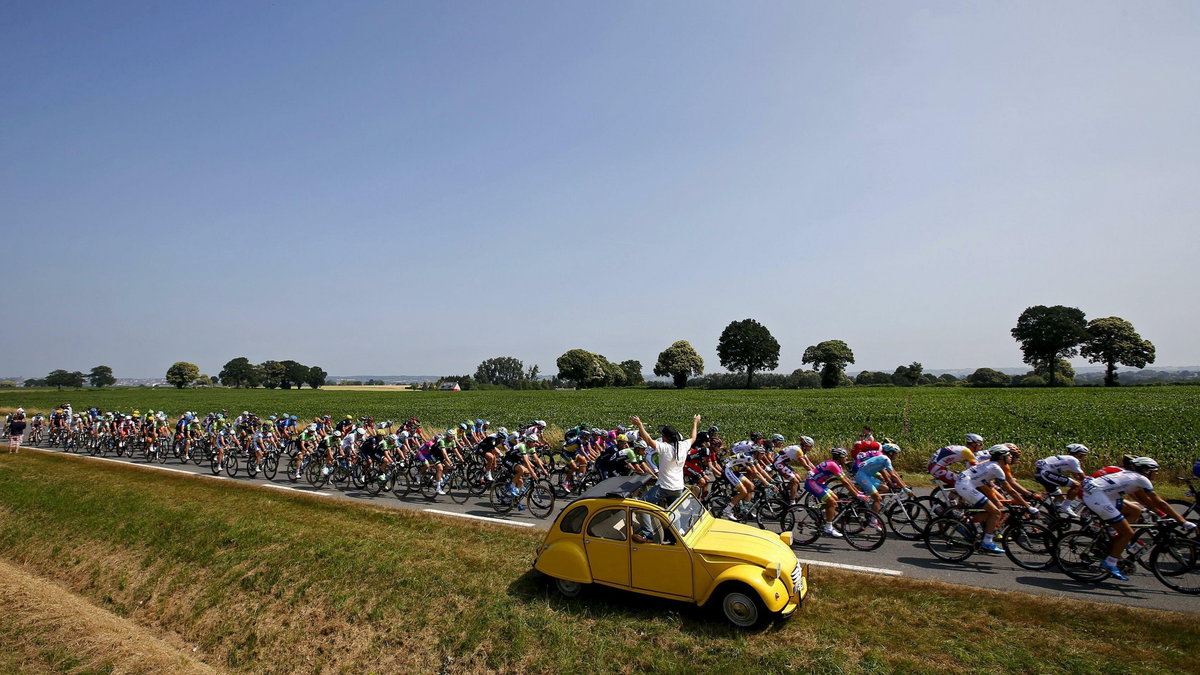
(1051, 481)
(817, 489)
(734, 478)
(1108, 509)
(942, 473)
(426, 457)
(867, 483)
(569, 455)
(971, 496)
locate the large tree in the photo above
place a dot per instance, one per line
(831, 358)
(239, 373)
(273, 373)
(582, 367)
(679, 361)
(61, 378)
(101, 376)
(316, 377)
(747, 346)
(503, 370)
(294, 374)
(182, 373)
(633, 372)
(988, 377)
(1047, 334)
(1113, 340)
(907, 376)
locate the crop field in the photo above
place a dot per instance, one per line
(1162, 422)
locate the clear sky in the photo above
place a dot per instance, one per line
(414, 187)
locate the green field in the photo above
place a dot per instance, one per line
(253, 580)
(1158, 421)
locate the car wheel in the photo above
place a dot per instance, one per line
(743, 608)
(570, 589)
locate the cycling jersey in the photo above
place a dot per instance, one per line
(968, 482)
(814, 482)
(783, 461)
(1103, 494)
(939, 463)
(868, 471)
(735, 466)
(1050, 471)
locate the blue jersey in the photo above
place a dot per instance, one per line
(872, 466)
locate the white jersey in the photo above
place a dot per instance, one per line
(789, 454)
(980, 474)
(1116, 485)
(744, 448)
(1059, 464)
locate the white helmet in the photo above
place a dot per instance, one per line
(312, 427)
(502, 431)
(974, 438)
(1077, 448)
(806, 441)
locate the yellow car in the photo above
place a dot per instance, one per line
(610, 537)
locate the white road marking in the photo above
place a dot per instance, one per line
(484, 518)
(300, 490)
(853, 568)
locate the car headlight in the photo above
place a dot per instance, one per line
(773, 572)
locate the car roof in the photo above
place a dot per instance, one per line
(618, 487)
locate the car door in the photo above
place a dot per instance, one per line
(659, 562)
(607, 544)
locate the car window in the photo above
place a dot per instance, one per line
(686, 514)
(609, 524)
(572, 523)
(650, 529)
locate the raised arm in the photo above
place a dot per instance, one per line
(695, 427)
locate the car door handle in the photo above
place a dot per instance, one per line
(633, 548)
(587, 541)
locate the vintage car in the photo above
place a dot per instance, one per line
(610, 537)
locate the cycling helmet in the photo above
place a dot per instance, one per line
(513, 438)
(272, 418)
(806, 441)
(312, 427)
(1143, 464)
(778, 438)
(380, 432)
(462, 425)
(502, 431)
(452, 431)
(1196, 469)
(478, 422)
(540, 423)
(293, 418)
(974, 438)
(1077, 448)
(838, 453)
(756, 436)
(998, 452)
(714, 429)
(137, 412)
(585, 434)
(891, 448)
(640, 445)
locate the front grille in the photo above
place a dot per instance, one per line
(797, 576)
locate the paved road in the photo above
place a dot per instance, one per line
(895, 558)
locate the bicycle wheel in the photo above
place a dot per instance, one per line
(1079, 554)
(231, 464)
(541, 499)
(252, 467)
(316, 474)
(502, 501)
(907, 519)
(477, 481)
(459, 486)
(803, 522)
(950, 539)
(270, 465)
(1176, 563)
(214, 466)
(862, 528)
(1029, 545)
(375, 481)
(768, 512)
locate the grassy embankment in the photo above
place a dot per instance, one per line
(1156, 421)
(256, 580)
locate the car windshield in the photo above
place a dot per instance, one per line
(686, 514)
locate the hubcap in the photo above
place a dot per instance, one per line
(740, 609)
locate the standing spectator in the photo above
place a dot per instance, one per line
(16, 431)
(672, 453)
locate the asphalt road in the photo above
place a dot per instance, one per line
(897, 558)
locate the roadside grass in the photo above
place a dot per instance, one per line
(261, 581)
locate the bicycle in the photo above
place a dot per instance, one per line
(1172, 557)
(537, 492)
(860, 527)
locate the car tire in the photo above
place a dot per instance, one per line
(742, 607)
(569, 589)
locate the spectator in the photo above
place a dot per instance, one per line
(16, 431)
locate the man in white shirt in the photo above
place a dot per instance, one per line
(672, 451)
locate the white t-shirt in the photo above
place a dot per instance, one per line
(670, 463)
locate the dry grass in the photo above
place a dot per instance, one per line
(268, 582)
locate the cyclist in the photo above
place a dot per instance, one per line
(783, 463)
(968, 483)
(701, 460)
(521, 458)
(736, 466)
(1059, 471)
(1014, 456)
(815, 484)
(869, 470)
(943, 459)
(1103, 496)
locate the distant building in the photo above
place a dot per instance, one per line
(449, 386)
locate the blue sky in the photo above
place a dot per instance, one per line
(403, 187)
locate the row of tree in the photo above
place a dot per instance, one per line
(240, 372)
(100, 376)
(1049, 335)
